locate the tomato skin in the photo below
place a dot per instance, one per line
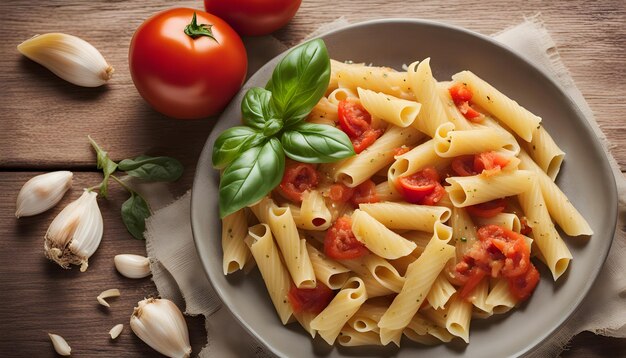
(182, 77)
(312, 300)
(460, 93)
(340, 242)
(340, 193)
(489, 163)
(463, 165)
(298, 178)
(488, 209)
(499, 252)
(364, 193)
(422, 187)
(254, 17)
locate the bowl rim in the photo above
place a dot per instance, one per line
(604, 166)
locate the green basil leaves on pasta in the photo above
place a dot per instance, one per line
(316, 143)
(253, 156)
(251, 176)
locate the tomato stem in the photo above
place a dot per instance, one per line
(194, 30)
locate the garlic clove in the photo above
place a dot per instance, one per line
(75, 234)
(42, 192)
(69, 57)
(116, 330)
(161, 325)
(113, 292)
(60, 345)
(132, 266)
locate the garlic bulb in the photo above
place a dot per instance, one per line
(42, 192)
(75, 234)
(132, 266)
(60, 345)
(160, 324)
(69, 57)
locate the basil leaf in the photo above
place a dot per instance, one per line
(105, 163)
(251, 176)
(299, 81)
(257, 109)
(232, 143)
(316, 143)
(152, 168)
(135, 211)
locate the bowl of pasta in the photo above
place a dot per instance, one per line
(402, 187)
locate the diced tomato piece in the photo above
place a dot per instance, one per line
(474, 277)
(460, 93)
(364, 193)
(312, 300)
(523, 286)
(354, 120)
(340, 193)
(298, 178)
(463, 165)
(489, 162)
(366, 139)
(488, 209)
(400, 150)
(499, 252)
(525, 229)
(340, 242)
(470, 113)
(422, 187)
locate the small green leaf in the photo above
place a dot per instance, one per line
(299, 81)
(105, 163)
(135, 211)
(232, 143)
(251, 176)
(316, 143)
(257, 109)
(152, 168)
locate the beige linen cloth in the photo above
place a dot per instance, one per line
(179, 276)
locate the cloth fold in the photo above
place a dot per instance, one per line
(178, 273)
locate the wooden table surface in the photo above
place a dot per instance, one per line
(44, 123)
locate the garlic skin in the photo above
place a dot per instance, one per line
(161, 325)
(132, 266)
(75, 234)
(42, 192)
(60, 345)
(113, 292)
(69, 57)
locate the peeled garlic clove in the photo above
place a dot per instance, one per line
(60, 345)
(75, 234)
(113, 292)
(132, 266)
(160, 324)
(42, 192)
(116, 330)
(69, 57)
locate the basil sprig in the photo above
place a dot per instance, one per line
(135, 210)
(253, 156)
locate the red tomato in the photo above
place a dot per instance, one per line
(499, 252)
(489, 163)
(354, 120)
(340, 193)
(254, 17)
(470, 113)
(298, 178)
(460, 93)
(365, 140)
(340, 242)
(422, 187)
(488, 209)
(312, 300)
(463, 165)
(523, 286)
(364, 193)
(182, 76)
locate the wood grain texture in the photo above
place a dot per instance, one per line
(44, 122)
